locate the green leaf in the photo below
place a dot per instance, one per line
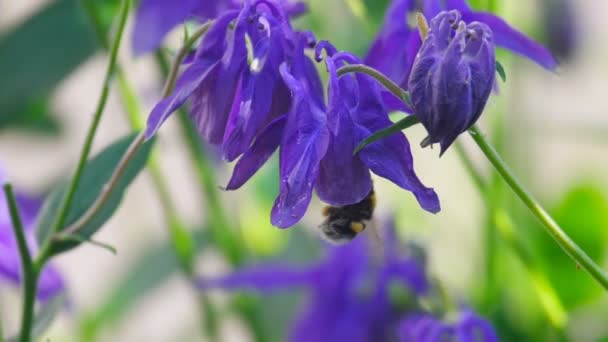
(400, 125)
(501, 71)
(583, 214)
(153, 267)
(96, 174)
(45, 316)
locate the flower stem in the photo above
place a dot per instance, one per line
(28, 271)
(391, 86)
(133, 148)
(562, 239)
(86, 149)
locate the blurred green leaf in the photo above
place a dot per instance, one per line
(96, 174)
(583, 214)
(149, 271)
(40, 53)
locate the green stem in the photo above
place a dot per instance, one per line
(131, 151)
(86, 149)
(562, 239)
(28, 271)
(183, 242)
(391, 86)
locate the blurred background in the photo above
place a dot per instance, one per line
(552, 128)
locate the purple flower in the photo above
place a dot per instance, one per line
(349, 294)
(452, 77)
(316, 142)
(468, 328)
(50, 282)
(155, 18)
(561, 27)
(276, 101)
(395, 48)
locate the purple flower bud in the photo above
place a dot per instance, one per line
(452, 77)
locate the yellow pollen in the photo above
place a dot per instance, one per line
(357, 227)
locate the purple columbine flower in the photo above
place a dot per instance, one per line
(316, 142)
(468, 327)
(50, 282)
(276, 100)
(395, 48)
(155, 18)
(452, 77)
(349, 293)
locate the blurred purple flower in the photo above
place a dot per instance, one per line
(468, 328)
(395, 48)
(50, 282)
(561, 27)
(350, 294)
(452, 77)
(155, 18)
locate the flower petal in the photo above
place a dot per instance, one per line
(304, 144)
(263, 147)
(509, 38)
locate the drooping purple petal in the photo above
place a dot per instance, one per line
(304, 144)
(343, 179)
(509, 38)
(262, 98)
(213, 99)
(264, 146)
(188, 81)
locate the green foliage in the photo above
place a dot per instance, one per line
(96, 174)
(583, 213)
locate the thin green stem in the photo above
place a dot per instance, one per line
(86, 149)
(391, 86)
(131, 151)
(562, 239)
(182, 240)
(28, 271)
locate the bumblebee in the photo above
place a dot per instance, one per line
(342, 224)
